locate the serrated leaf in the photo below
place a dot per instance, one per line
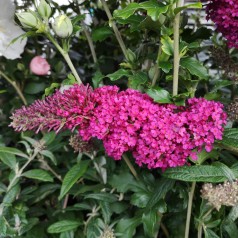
(3, 226)
(198, 173)
(194, 67)
(13, 151)
(159, 95)
(230, 227)
(75, 173)
(154, 8)
(221, 84)
(119, 74)
(127, 11)
(101, 33)
(63, 226)
(38, 174)
(226, 170)
(8, 159)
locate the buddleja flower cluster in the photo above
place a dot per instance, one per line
(225, 15)
(158, 135)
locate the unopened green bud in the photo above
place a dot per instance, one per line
(28, 19)
(44, 9)
(62, 26)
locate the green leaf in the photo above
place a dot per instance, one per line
(221, 84)
(159, 95)
(10, 196)
(163, 186)
(106, 197)
(226, 170)
(97, 79)
(8, 159)
(119, 74)
(106, 211)
(75, 173)
(49, 137)
(137, 79)
(140, 199)
(63, 226)
(194, 67)
(3, 226)
(210, 234)
(154, 8)
(230, 140)
(198, 173)
(49, 155)
(127, 11)
(166, 66)
(101, 33)
(13, 151)
(191, 5)
(49, 90)
(34, 88)
(150, 221)
(126, 226)
(38, 174)
(230, 227)
(167, 45)
(122, 182)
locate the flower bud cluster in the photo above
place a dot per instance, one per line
(158, 135)
(222, 194)
(108, 233)
(225, 15)
(38, 21)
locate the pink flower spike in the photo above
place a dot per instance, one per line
(39, 66)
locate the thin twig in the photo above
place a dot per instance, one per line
(16, 87)
(176, 49)
(90, 43)
(130, 166)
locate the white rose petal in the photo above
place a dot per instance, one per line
(9, 31)
(7, 9)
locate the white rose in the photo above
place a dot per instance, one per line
(9, 31)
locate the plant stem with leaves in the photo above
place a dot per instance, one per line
(66, 57)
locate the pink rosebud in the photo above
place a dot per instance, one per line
(39, 66)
